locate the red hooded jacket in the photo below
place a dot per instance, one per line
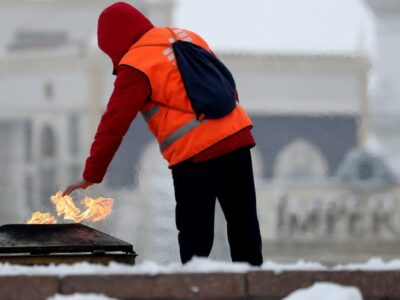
(120, 25)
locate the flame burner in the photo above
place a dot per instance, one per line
(30, 244)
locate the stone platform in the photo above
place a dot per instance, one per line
(257, 285)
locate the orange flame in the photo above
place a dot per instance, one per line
(41, 218)
(65, 206)
(95, 210)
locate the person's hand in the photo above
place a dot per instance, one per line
(83, 184)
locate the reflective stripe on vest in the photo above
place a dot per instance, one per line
(148, 114)
(181, 131)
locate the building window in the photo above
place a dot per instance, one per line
(28, 141)
(365, 170)
(48, 90)
(48, 168)
(29, 192)
(300, 160)
(48, 143)
(73, 130)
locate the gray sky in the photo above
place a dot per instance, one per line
(279, 25)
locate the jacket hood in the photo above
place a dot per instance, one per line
(120, 25)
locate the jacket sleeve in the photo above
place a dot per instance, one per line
(131, 90)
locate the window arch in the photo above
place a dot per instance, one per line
(300, 160)
(48, 143)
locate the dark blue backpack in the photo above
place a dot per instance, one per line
(208, 83)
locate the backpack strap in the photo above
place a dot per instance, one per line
(152, 44)
(172, 32)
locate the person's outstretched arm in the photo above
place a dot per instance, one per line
(131, 90)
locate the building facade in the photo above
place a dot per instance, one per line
(312, 120)
(55, 84)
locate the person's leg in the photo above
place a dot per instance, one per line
(195, 193)
(238, 201)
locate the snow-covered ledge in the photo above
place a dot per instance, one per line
(200, 279)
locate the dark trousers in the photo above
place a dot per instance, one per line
(197, 186)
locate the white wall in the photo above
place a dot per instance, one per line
(299, 85)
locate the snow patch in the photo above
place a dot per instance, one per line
(80, 297)
(373, 264)
(326, 291)
(196, 265)
(297, 266)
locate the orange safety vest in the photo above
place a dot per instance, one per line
(168, 113)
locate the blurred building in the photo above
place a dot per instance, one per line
(320, 185)
(309, 110)
(310, 114)
(54, 85)
(386, 94)
(311, 122)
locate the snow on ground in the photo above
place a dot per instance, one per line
(80, 297)
(197, 265)
(326, 291)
